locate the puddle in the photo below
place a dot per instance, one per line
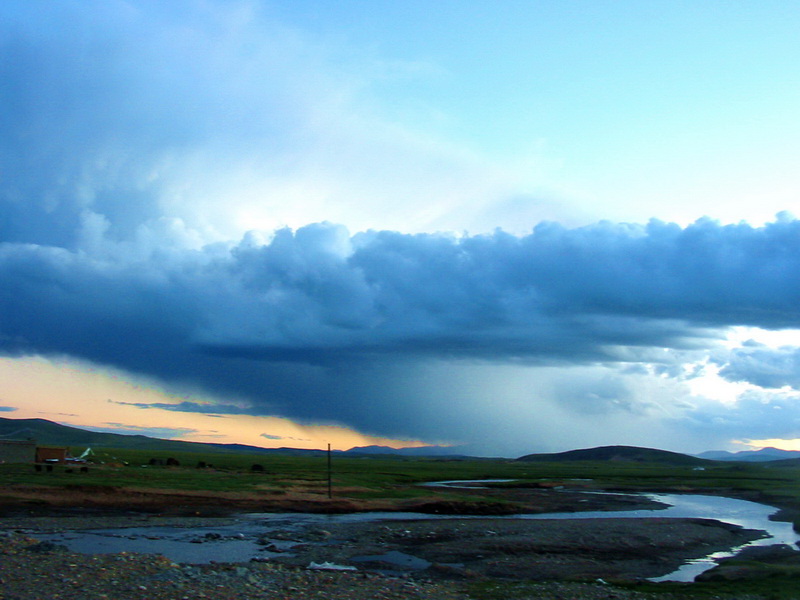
(474, 484)
(203, 545)
(398, 560)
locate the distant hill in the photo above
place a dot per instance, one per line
(763, 455)
(48, 433)
(618, 453)
(446, 451)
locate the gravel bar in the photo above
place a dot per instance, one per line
(33, 570)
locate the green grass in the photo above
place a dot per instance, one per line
(396, 476)
(774, 587)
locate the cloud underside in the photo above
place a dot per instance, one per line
(319, 295)
(309, 320)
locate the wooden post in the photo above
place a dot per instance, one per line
(330, 481)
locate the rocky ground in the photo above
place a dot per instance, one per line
(522, 549)
(566, 556)
(32, 570)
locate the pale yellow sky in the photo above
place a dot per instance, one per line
(82, 395)
(781, 444)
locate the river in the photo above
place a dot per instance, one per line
(263, 535)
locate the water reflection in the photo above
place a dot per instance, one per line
(750, 515)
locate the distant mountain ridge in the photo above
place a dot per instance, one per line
(618, 453)
(763, 455)
(49, 433)
(445, 451)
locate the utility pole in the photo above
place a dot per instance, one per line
(330, 481)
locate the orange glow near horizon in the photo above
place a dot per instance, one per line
(86, 396)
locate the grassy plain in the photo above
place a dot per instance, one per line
(394, 478)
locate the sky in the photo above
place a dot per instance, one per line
(500, 226)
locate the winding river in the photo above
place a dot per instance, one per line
(244, 538)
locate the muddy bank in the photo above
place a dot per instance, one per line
(30, 500)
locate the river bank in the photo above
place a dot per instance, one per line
(438, 547)
(34, 500)
(418, 558)
(565, 557)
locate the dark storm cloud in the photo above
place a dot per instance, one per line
(557, 293)
(312, 295)
(316, 324)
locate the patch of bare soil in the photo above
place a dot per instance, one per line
(41, 500)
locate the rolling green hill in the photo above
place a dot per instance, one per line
(618, 453)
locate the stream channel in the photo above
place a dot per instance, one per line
(262, 536)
